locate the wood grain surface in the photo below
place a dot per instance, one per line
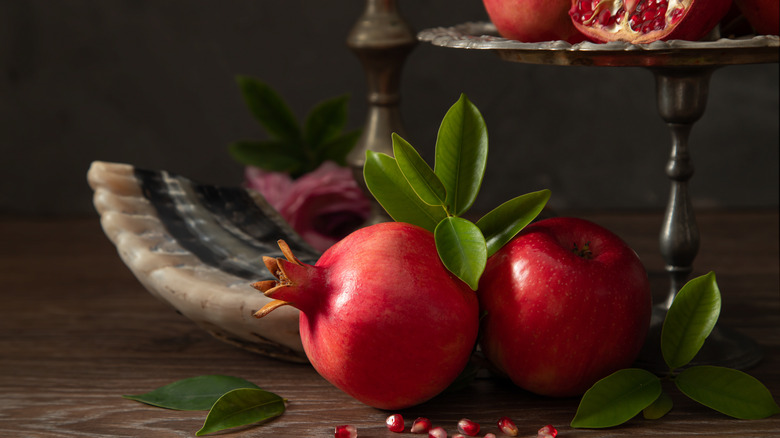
(78, 331)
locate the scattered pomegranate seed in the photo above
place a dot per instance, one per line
(395, 423)
(459, 435)
(507, 426)
(421, 425)
(490, 435)
(437, 432)
(345, 431)
(468, 427)
(547, 432)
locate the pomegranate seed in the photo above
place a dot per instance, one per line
(604, 17)
(468, 427)
(490, 435)
(547, 432)
(345, 431)
(437, 432)
(648, 14)
(459, 435)
(676, 15)
(421, 425)
(507, 426)
(395, 423)
(587, 16)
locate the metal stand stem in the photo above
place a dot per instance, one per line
(681, 94)
(382, 40)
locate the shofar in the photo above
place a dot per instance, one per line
(198, 248)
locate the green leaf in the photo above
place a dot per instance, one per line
(337, 149)
(275, 156)
(728, 391)
(388, 185)
(690, 319)
(617, 398)
(269, 109)
(193, 394)
(420, 176)
(325, 121)
(461, 154)
(660, 407)
(241, 407)
(503, 223)
(462, 249)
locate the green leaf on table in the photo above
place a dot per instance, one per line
(269, 108)
(462, 249)
(461, 154)
(617, 398)
(325, 121)
(393, 192)
(420, 176)
(728, 391)
(660, 407)
(503, 223)
(192, 394)
(273, 155)
(690, 319)
(241, 407)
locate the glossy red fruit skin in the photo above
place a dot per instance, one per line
(763, 15)
(701, 16)
(381, 317)
(533, 20)
(556, 322)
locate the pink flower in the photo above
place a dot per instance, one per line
(322, 206)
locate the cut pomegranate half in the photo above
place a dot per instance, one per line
(645, 21)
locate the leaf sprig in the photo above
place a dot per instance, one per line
(231, 401)
(294, 148)
(622, 395)
(436, 199)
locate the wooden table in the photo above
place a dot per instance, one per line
(78, 331)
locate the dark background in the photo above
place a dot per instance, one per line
(151, 83)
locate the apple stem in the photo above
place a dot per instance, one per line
(583, 252)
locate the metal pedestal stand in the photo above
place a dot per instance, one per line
(682, 72)
(382, 40)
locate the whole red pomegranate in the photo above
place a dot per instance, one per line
(381, 317)
(566, 303)
(533, 20)
(763, 15)
(645, 21)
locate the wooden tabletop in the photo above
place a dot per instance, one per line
(78, 331)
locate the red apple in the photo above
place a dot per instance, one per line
(567, 303)
(763, 15)
(533, 20)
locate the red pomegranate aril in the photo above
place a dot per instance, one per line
(507, 426)
(421, 425)
(547, 432)
(437, 432)
(395, 423)
(604, 17)
(468, 427)
(345, 431)
(676, 15)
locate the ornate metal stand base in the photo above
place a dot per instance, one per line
(725, 347)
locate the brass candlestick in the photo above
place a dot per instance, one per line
(382, 40)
